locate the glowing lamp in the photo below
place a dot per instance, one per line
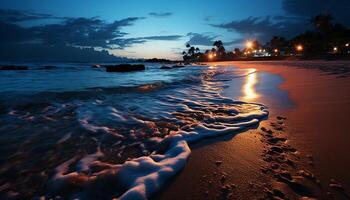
(249, 44)
(300, 47)
(275, 50)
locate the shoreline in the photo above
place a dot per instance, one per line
(308, 126)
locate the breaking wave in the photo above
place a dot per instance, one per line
(114, 142)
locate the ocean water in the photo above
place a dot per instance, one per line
(79, 132)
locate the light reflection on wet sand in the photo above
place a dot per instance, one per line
(249, 87)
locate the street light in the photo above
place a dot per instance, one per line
(300, 47)
(249, 44)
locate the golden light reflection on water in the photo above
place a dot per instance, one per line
(248, 89)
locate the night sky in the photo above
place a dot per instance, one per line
(153, 28)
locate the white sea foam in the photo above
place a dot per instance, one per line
(115, 143)
(145, 175)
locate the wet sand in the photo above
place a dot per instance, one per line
(313, 141)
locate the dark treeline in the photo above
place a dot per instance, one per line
(327, 40)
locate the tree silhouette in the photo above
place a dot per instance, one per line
(323, 23)
(220, 49)
(218, 44)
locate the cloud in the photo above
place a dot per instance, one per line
(122, 43)
(339, 9)
(15, 16)
(208, 18)
(160, 14)
(85, 32)
(164, 37)
(264, 28)
(62, 53)
(206, 39)
(80, 32)
(296, 19)
(73, 35)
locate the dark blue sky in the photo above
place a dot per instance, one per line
(156, 28)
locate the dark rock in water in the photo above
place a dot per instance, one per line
(96, 66)
(165, 67)
(13, 67)
(178, 66)
(124, 68)
(47, 67)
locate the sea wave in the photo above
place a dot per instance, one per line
(121, 142)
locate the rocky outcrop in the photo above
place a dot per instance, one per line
(13, 67)
(124, 68)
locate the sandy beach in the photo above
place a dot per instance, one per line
(300, 151)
